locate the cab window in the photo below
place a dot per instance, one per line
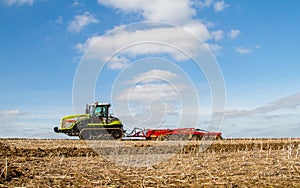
(100, 111)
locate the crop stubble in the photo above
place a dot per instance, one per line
(226, 163)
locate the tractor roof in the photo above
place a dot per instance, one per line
(103, 104)
(100, 104)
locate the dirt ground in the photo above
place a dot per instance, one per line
(224, 163)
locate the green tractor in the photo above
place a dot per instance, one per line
(95, 124)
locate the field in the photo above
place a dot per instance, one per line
(224, 163)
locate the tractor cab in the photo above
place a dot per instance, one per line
(99, 112)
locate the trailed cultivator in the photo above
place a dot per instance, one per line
(173, 134)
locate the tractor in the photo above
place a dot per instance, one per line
(96, 124)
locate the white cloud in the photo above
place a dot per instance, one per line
(204, 4)
(9, 116)
(257, 46)
(10, 112)
(59, 20)
(81, 21)
(173, 11)
(153, 84)
(118, 63)
(220, 6)
(156, 84)
(217, 35)
(19, 2)
(162, 98)
(180, 12)
(154, 75)
(290, 102)
(110, 44)
(198, 29)
(75, 4)
(144, 92)
(243, 50)
(234, 33)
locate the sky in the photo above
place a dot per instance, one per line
(164, 64)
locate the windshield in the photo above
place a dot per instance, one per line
(100, 111)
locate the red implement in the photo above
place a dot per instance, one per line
(173, 134)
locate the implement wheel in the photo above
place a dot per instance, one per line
(196, 137)
(160, 138)
(219, 137)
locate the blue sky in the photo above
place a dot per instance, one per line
(255, 43)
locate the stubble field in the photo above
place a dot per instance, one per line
(224, 163)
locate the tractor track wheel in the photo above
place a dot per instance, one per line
(81, 137)
(117, 134)
(86, 135)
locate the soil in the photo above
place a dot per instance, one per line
(222, 163)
